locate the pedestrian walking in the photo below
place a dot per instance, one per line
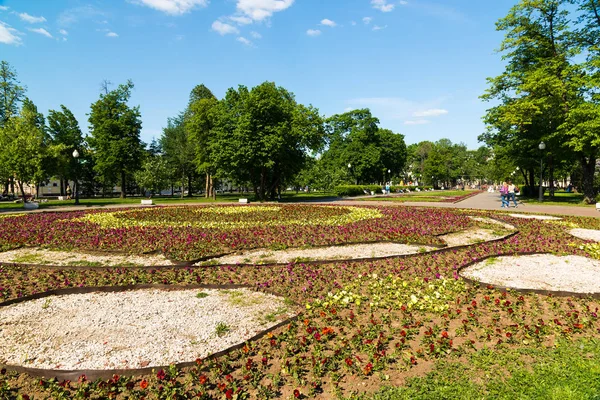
(511, 194)
(504, 194)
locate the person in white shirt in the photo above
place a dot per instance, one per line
(511, 193)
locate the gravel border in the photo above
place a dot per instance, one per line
(134, 329)
(43, 256)
(540, 217)
(548, 272)
(586, 234)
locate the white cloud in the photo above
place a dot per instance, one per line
(367, 20)
(245, 41)
(41, 31)
(416, 122)
(313, 32)
(328, 22)
(112, 34)
(397, 108)
(223, 28)
(9, 35)
(378, 28)
(31, 19)
(382, 5)
(172, 7)
(3, 8)
(260, 10)
(434, 112)
(353, 23)
(255, 35)
(403, 2)
(241, 20)
(63, 32)
(76, 14)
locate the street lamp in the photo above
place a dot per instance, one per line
(76, 157)
(541, 146)
(350, 170)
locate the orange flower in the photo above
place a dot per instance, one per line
(144, 384)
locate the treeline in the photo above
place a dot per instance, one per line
(549, 92)
(259, 138)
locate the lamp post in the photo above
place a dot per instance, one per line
(390, 174)
(76, 157)
(541, 146)
(350, 170)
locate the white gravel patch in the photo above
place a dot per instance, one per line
(134, 329)
(354, 251)
(492, 221)
(540, 217)
(540, 271)
(74, 258)
(469, 236)
(586, 234)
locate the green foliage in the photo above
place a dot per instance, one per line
(66, 136)
(262, 136)
(22, 141)
(11, 92)
(154, 174)
(115, 136)
(356, 140)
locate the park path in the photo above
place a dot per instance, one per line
(482, 201)
(491, 201)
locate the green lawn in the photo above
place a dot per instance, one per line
(559, 199)
(226, 197)
(569, 371)
(419, 196)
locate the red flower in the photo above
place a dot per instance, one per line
(229, 394)
(349, 361)
(296, 393)
(161, 375)
(144, 384)
(203, 379)
(445, 335)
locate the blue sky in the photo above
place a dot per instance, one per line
(419, 65)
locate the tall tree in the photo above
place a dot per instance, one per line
(263, 136)
(11, 92)
(22, 139)
(115, 136)
(199, 122)
(64, 131)
(536, 89)
(179, 150)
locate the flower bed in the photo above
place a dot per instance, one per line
(364, 324)
(190, 233)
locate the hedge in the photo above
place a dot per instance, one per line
(359, 190)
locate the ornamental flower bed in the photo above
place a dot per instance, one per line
(362, 324)
(190, 233)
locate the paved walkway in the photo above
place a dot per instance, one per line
(491, 201)
(482, 201)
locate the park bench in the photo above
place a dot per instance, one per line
(147, 202)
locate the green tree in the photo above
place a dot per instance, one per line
(199, 123)
(115, 136)
(263, 136)
(178, 151)
(154, 174)
(66, 136)
(11, 92)
(22, 139)
(537, 87)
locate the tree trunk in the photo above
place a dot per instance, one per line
(207, 187)
(589, 167)
(12, 185)
(190, 185)
(62, 187)
(123, 183)
(212, 187)
(551, 174)
(532, 182)
(263, 178)
(182, 184)
(22, 191)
